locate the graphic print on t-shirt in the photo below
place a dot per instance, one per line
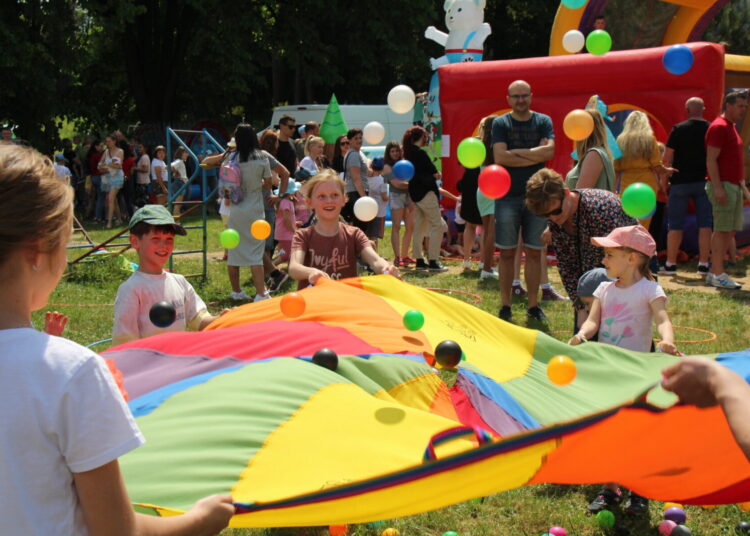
(333, 263)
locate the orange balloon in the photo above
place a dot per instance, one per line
(260, 229)
(578, 125)
(389, 532)
(292, 305)
(561, 370)
(745, 506)
(337, 530)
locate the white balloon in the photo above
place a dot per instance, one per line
(373, 133)
(401, 99)
(365, 208)
(573, 41)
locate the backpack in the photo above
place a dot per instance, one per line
(230, 180)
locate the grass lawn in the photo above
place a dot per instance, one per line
(86, 295)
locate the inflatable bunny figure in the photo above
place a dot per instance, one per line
(465, 42)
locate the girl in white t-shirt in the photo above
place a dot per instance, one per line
(159, 175)
(625, 309)
(69, 421)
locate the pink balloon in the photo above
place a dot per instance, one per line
(558, 531)
(494, 181)
(666, 527)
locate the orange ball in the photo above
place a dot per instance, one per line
(578, 125)
(292, 305)
(561, 370)
(260, 229)
(745, 506)
(389, 532)
(337, 530)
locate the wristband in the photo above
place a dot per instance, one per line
(581, 337)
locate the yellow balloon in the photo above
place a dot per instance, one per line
(578, 125)
(390, 532)
(670, 505)
(260, 229)
(561, 370)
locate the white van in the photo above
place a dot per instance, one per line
(355, 116)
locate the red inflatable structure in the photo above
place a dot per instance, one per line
(632, 80)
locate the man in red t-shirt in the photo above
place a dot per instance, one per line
(726, 183)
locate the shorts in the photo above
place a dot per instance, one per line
(400, 199)
(485, 204)
(347, 212)
(677, 206)
(727, 217)
(377, 228)
(511, 215)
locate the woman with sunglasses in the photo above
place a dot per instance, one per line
(342, 146)
(574, 217)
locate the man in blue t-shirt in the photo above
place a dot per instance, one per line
(522, 141)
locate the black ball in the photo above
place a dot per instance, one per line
(743, 527)
(448, 354)
(680, 530)
(327, 358)
(162, 314)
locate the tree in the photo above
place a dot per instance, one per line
(731, 26)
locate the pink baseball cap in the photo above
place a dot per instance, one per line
(634, 237)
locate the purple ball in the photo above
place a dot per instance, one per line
(676, 514)
(558, 531)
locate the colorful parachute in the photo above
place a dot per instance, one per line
(241, 409)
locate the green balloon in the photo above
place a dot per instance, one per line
(471, 153)
(598, 42)
(450, 533)
(229, 238)
(606, 519)
(639, 200)
(413, 320)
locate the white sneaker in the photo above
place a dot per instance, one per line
(487, 275)
(261, 297)
(722, 281)
(239, 296)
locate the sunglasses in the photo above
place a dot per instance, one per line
(291, 126)
(344, 143)
(555, 212)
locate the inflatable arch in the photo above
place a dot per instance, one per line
(632, 79)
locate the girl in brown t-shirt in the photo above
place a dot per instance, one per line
(330, 248)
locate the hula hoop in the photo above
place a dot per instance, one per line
(475, 298)
(98, 342)
(713, 336)
(80, 305)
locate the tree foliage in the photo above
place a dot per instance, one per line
(112, 63)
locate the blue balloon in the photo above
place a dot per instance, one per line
(678, 59)
(574, 4)
(403, 170)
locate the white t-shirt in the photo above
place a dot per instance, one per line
(155, 163)
(61, 413)
(378, 187)
(179, 170)
(142, 177)
(309, 164)
(626, 318)
(141, 291)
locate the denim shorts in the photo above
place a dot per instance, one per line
(511, 215)
(400, 199)
(679, 195)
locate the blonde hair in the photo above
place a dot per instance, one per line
(313, 139)
(36, 205)
(597, 138)
(643, 267)
(637, 138)
(327, 175)
(484, 133)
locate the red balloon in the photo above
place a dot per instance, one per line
(494, 181)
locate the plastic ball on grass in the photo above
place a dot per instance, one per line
(558, 531)
(390, 532)
(448, 354)
(668, 505)
(162, 314)
(413, 320)
(450, 533)
(666, 526)
(675, 514)
(605, 519)
(326, 358)
(681, 530)
(743, 527)
(337, 530)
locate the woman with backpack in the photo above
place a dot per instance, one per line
(252, 169)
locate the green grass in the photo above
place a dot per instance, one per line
(87, 295)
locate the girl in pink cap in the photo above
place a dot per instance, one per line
(624, 309)
(622, 314)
